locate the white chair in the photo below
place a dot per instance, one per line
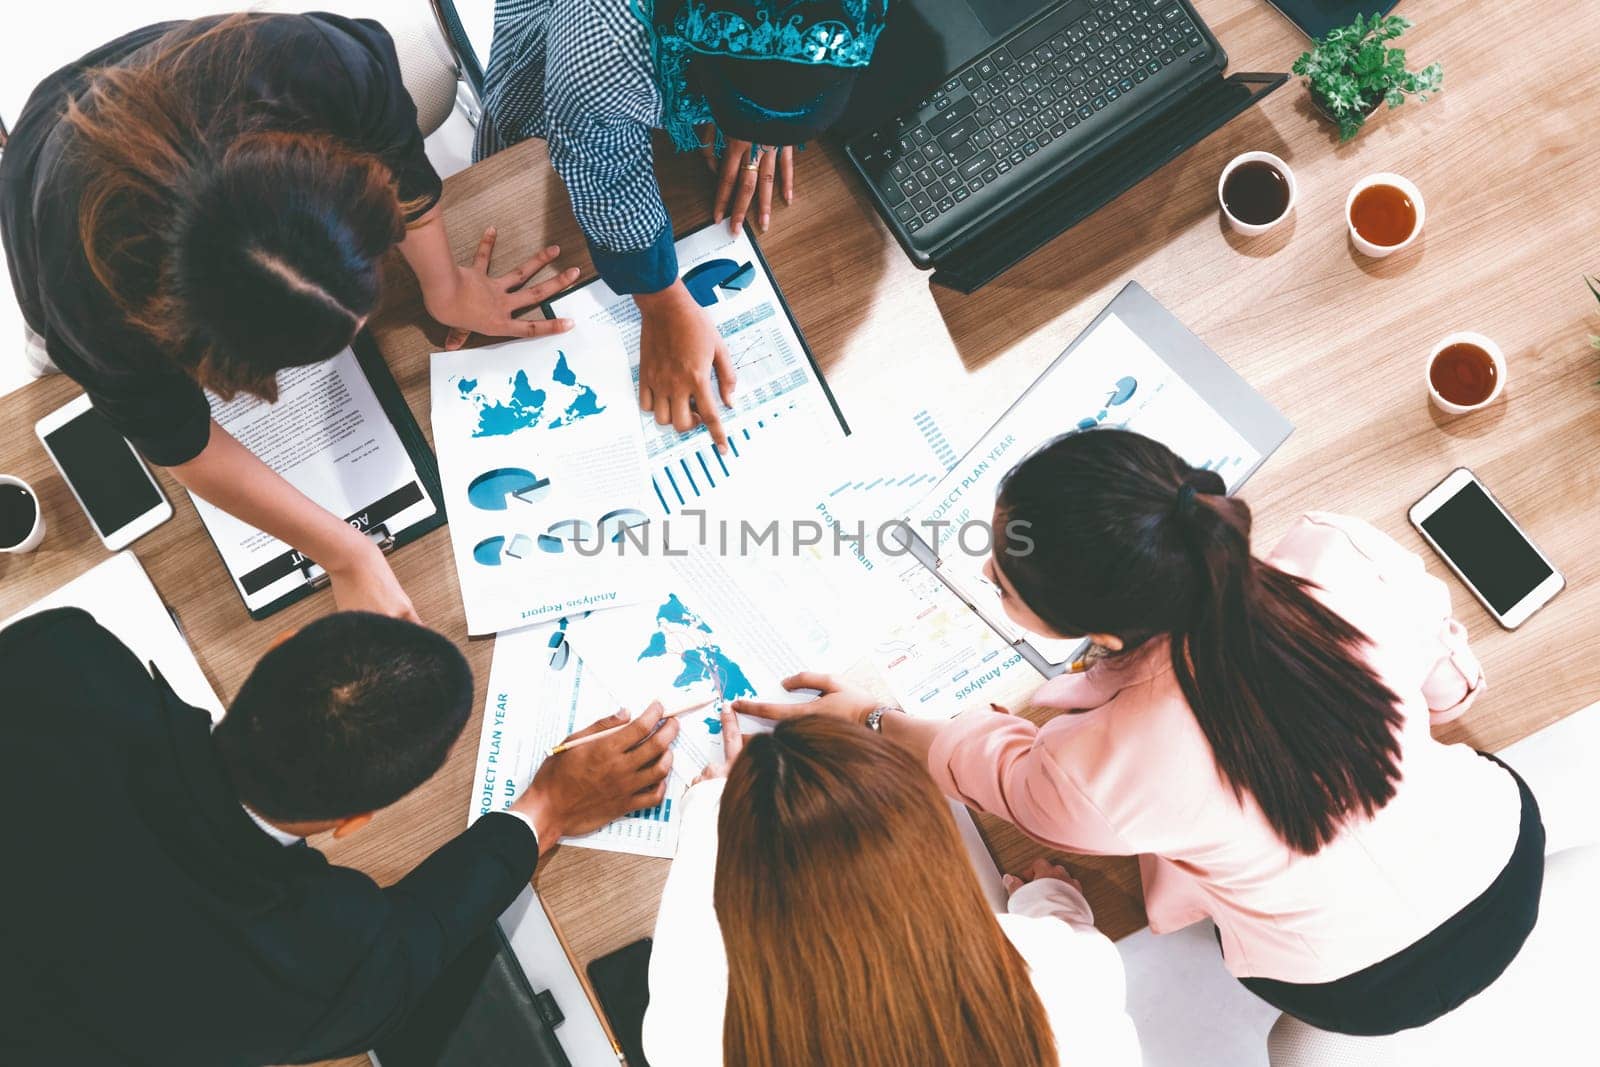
(1539, 1009)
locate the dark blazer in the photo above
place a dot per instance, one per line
(146, 919)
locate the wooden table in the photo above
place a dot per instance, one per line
(1507, 159)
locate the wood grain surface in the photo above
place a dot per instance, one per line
(1506, 157)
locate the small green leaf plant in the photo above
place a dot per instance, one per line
(1352, 70)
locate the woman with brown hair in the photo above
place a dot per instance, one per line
(199, 205)
(853, 930)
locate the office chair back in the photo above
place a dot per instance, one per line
(461, 45)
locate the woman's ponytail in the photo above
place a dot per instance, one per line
(1130, 540)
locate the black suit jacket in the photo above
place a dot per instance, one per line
(146, 919)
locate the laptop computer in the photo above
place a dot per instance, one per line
(984, 128)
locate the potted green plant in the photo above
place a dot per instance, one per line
(1352, 70)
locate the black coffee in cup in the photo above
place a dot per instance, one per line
(18, 514)
(1256, 192)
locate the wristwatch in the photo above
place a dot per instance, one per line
(874, 719)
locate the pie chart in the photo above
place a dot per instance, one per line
(613, 523)
(493, 490)
(702, 280)
(493, 551)
(740, 279)
(487, 552)
(554, 540)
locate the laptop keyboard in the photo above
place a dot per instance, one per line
(1025, 103)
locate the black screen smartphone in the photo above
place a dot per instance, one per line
(1484, 546)
(621, 983)
(120, 497)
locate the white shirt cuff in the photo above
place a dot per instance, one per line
(527, 821)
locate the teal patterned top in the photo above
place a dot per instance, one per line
(836, 33)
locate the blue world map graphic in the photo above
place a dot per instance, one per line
(521, 405)
(682, 633)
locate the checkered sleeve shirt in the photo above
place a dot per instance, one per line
(578, 73)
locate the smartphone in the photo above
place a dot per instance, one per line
(111, 482)
(1504, 569)
(621, 983)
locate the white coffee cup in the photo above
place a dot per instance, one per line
(35, 535)
(1497, 357)
(1405, 185)
(1256, 229)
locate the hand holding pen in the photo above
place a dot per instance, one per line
(585, 738)
(613, 767)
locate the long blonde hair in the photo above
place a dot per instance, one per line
(856, 933)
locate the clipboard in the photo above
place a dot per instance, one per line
(373, 519)
(1250, 414)
(805, 346)
(783, 302)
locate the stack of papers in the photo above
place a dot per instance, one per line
(720, 626)
(665, 571)
(576, 523)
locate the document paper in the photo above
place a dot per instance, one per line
(330, 438)
(711, 628)
(1114, 379)
(779, 395)
(542, 462)
(540, 694)
(936, 656)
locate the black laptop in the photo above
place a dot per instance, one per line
(984, 128)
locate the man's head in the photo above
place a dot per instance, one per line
(343, 718)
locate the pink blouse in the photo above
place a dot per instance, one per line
(1132, 774)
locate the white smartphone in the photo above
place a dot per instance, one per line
(1500, 564)
(111, 482)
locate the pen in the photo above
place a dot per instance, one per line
(558, 749)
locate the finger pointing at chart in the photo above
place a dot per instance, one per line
(732, 745)
(732, 734)
(835, 700)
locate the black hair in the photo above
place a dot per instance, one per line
(346, 717)
(772, 102)
(277, 247)
(237, 248)
(1129, 540)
